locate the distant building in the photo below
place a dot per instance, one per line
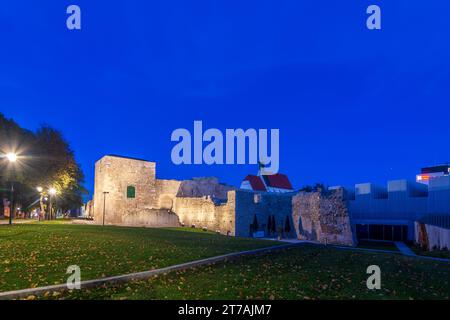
(430, 173)
(380, 213)
(390, 214)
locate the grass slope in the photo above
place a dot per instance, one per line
(306, 272)
(38, 254)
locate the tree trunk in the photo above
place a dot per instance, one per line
(41, 206)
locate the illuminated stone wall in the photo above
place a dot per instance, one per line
(262, 205)
(206, 203)
(205, 212)
(158, 203)
(113, 175)
(322, 217)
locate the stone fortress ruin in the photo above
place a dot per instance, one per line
(127, 192)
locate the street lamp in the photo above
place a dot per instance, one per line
(41, 204)
(104, 205)
(51, 192)
(12, 157)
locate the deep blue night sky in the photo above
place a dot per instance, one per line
(352, 105)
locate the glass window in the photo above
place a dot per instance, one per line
(131, 192)
(388, 232)
(376, 231)
(362, 231)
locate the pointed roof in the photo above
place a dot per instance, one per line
(260, 183)
(278, 180)
(256, 183)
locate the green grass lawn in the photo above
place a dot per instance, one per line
(306, 272)
(435, 253)
(38, 254)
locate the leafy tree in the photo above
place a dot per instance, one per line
(59, 168)
(71, 199)
(13, 139)
(45, 159)
(315, 188)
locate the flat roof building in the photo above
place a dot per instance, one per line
(433, 172)
(389, 212)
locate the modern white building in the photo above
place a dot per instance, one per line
(387, 213)
(390, 212)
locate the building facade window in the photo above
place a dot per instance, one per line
(131, 192)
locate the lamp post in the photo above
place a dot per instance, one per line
(41, 206)
(51, 192)
(12, 158)
(45, 214)
(104, 205)
(11, 205)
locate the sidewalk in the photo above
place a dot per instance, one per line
(294, 241)
(400, 252)
(404, 249)
(17, 221)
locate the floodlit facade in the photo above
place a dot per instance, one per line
(128, 192)
(428, 174)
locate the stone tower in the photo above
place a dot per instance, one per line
(130, 187)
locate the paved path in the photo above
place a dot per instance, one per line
(392, 252)
(404, 249)
(295, 241)
(17, 221)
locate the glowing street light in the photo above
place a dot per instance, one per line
(12, 157)
(52, 191)
(41, 204)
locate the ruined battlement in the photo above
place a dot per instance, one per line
(127, 192)
(322, 217)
